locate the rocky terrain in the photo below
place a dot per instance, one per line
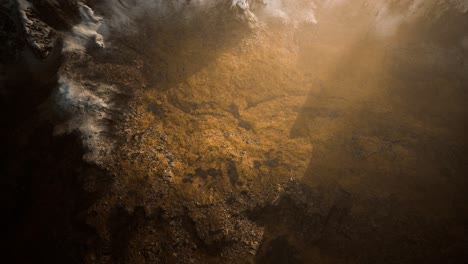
(234, 132)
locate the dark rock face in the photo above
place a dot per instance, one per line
(39, 36)
(60, 15)
(41, 193)
(11, 35)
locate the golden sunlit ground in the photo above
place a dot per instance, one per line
(379, 116)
